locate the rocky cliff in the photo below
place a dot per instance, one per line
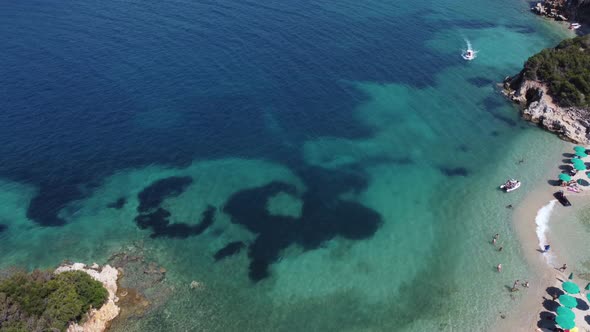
(563, 10)
(98, 320)
(537, 106)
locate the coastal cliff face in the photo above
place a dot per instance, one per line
(537, 106)
(553, 89)
(563, 10)
(98, 320)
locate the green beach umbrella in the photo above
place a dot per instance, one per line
(570, 287)
(565, 312)
(571, 277)
(579, 148)
(568, 301)
(582, 154)
(564, 177)
(580, 167)
(588, 296)
(577, 161)
(564, 322)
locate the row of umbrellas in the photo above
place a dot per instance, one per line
(578, 163)
(565, 315)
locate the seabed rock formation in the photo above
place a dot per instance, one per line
(142, 285)
(537, 106)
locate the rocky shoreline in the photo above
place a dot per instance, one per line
(563, 10)
(537, 106)
(135, 286)
(98, 319)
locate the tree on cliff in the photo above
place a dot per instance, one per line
(44, 301)
(566, 71)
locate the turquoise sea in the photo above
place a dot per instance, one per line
(315, 165)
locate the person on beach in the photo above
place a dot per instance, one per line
(563, 268)
(554, 297)
(499, 267)
(515, 286)
(525, 284)
(495, 239)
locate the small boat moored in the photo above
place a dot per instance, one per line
(510, 185)
(575, 26)
(560, 196)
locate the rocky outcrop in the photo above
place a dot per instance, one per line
(98, 319)
(537, 106)
(555, 9)
(142, 285)
(563, 10)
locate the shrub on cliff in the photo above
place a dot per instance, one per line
(42, 301)
(565, 69)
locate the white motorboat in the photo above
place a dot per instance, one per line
(575, 26)
(510, 185)
(468, 54)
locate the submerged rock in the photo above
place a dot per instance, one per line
(142, 286)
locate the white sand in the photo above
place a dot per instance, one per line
(527, 314)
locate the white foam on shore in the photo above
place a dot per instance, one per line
(542, 221)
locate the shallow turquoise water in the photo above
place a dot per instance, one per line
(361, 105)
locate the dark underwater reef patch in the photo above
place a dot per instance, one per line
(454, 171)
(3, 228)
(492, 105)
(524, 29)
(480, 81)
(230, 249)
(323, 217)
(463, 148)
(152, 196)
(50, 199)
(118, 204)
(152, 216)
(158, 222)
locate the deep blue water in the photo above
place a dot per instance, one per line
(77, 74)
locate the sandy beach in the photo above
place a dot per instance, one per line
(536, 304)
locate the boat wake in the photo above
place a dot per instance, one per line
(469, 53)
(542, 221)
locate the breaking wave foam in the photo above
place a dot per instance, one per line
(542, 222)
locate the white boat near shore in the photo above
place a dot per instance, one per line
(510, 185)
(575, 26)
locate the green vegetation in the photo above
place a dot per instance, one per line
(565, 69)
(44, 301)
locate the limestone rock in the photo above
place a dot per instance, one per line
(537, 106)
(97, 319)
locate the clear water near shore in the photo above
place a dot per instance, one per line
(363, 108)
